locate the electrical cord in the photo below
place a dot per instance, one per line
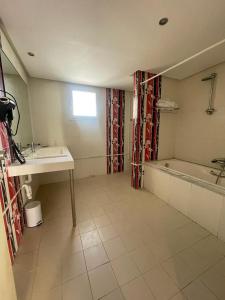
(13, 100)
(8, 123)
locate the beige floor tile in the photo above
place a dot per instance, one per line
(77, 289)
(133, 229)
(132, 240)
(86, 226)
(97, 211)
(137, 289)
(27, 261)
(195, 261)
(179, 296)
(72, 245)
(54, 239)
(95, 256)
(73, 265)
(114, 248)
(90, 239)
(115, 295)
(125, 269)
(196, 290)
(24, 282)
(219, 268)
(53, 294)
(84, 216)
(102, 221)
(179, 271)
(144, 259)
(164, 250)
(161, 284)
(30, 240)
(102, 281)
(50, 254)
(193, 232)
(214, 279)
(47, 277)
(210, 248)
(107, 233)
(122, 227)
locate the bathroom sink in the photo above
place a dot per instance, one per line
(43, 160)
(47, 152)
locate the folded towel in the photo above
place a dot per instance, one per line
(166, 104)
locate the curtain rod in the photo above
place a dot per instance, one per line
(185, 60)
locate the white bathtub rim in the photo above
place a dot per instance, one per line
(192, 179)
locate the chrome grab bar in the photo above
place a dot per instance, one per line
(221, 162)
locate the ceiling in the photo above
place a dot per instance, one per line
(102, 42)
(204, 61)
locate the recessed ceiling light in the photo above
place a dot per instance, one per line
(30, 53)
(163, 21)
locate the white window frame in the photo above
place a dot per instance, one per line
(79, 112)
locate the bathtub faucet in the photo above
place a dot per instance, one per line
(221, 163)
(33, 146)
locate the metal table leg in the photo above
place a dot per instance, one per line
(72, 196)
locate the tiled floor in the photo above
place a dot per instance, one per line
(128, 245)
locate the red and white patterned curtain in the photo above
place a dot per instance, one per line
(145, 124)
(10, 201)
(115, 111)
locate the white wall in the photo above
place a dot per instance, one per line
(200, 137)
(190, 134)
(53, 124)
(167, 128)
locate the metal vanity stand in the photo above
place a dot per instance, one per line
(45, 160)
(72, 196)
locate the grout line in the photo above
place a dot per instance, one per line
(88, 276)
(209, 289)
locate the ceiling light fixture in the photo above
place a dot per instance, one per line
(163, 21)
(30, 53)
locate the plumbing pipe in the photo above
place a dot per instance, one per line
(100, 156)
(28, 190)
(29, 179)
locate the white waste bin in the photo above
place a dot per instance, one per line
(33, 213)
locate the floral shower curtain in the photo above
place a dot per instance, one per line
(146, 119)
(115, 112)
(10, 201)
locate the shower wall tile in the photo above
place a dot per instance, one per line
(199, 137)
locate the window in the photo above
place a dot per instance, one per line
(84, 104)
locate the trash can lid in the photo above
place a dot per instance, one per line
(32, 204)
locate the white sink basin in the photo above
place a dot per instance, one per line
(46, 152)
(43, 160)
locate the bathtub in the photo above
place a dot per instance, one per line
(191, 189)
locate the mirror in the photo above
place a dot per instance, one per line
(15, 85)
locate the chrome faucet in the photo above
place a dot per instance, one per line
(33, 146)
(221, 163)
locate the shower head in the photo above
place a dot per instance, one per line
(210, 77)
